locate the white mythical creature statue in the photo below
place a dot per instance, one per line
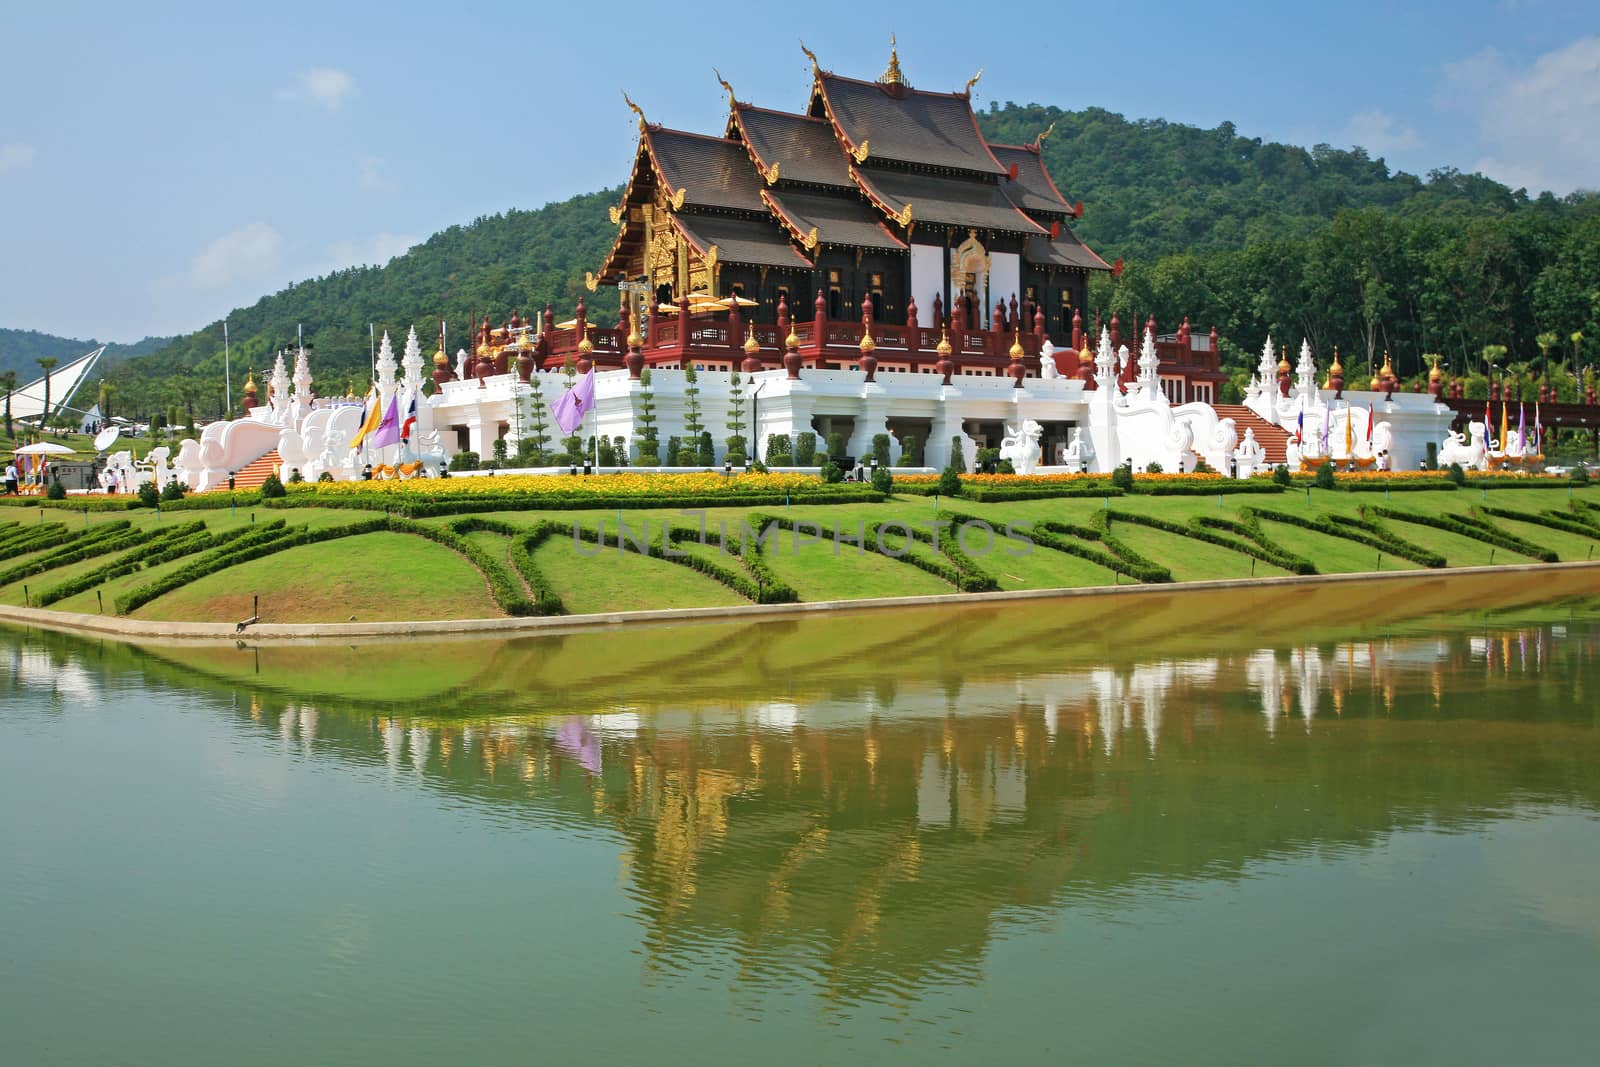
(188, 463)
(1249, 456)
(1383, 446)
(1021, 447)
(1079, 452)
(292, 450)
(1182, 441)
(1470, 454)
(156, 465)
(1224, 439)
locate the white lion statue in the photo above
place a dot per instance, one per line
(1047, 361)
(1079, 452)
(1471, 455)
(1021, 447)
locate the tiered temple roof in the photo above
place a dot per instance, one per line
(869, 165)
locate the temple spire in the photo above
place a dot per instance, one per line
(892, 76)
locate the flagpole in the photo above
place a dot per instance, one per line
(372, 348)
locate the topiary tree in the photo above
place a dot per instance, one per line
(958, 460)
(295, 477)
(1122, 477)
(950, 481)
(1153, 468)
(149, 495)
(910, 451)
(619, 446)
(691, 404)
(464, 461)
(706, 454)
(608, 453)
(272, 488)
(1281, 475)
(649, 445)
(835, 448)
(1456, 474)
(57, 491)
(1580, 475)
(672, 450)
(778, 450)
(173, 490)
(499, 450)
(736, 409)
(882, 480)
(805, 449)
(831, 473)
(1324, 478)
(880, 448)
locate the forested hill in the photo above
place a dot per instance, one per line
(1151, 188)
(21, 350)
(1266, 219)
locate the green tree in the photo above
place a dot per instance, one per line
(8, 382)
(649, 444)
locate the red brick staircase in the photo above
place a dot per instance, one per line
(1273, 438)
(254, 473)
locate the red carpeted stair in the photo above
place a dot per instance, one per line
(252, 474)
(1271, 437)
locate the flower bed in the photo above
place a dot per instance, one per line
(423, 497)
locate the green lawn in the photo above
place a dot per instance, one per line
(376, 577)
(613, 580)
(401, 576)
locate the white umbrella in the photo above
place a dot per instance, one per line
(45, 448)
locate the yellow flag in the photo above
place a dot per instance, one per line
(373, 418)
(1349, 434)
(1505, 423)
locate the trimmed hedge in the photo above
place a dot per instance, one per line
(168, 544)
(208, 501)
(858, 493)
(1267, 552)
(503, 586)
(1397, 485)
(1052, 535)
(81, 545)
(241, 550)
(1226, 486)
(522, 543)
(1360, 531)
(769, 590)
(34, 538)
(1552, 519)
(1479, 530)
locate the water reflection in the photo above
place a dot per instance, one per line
(874, 824)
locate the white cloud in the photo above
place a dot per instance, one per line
(1379, 132)
(374, 251)
(15, 156)
(326, 87)
(1536, 122)
(247, 253)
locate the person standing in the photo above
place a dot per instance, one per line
(11, 477)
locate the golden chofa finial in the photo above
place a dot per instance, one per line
(1337, 367)
(972, 81)
(1038, 142)
(892, 76)
(751, 345)
(1016, 344)
(944, 348)
(1435, 374)
(868, 345)
(725, 87)
(635, 108)
(816, 68)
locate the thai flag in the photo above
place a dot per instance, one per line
(411, 418)
(1300, 428)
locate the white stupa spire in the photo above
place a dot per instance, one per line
(279, 383)
(386, 366)
(302, 377)
(1267, 369)
(1149, 366)
(1305, 381)
(411, 362)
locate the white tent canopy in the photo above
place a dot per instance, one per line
(27, 401)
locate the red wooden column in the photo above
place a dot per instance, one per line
(819, 326)
(913, 332)
(735, 326)
(683, 331)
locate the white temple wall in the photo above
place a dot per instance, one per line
(927, 280)
(1005, 278)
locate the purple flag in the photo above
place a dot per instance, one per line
(575, 404)
(1522, 427)
(388, 431)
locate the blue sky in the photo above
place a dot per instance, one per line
(160, 164)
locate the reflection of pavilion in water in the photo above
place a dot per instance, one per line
(875, 839)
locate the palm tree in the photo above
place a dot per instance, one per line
(46, 364)
(8, 381)
(103, 401)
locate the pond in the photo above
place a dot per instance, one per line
(1352, 823)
